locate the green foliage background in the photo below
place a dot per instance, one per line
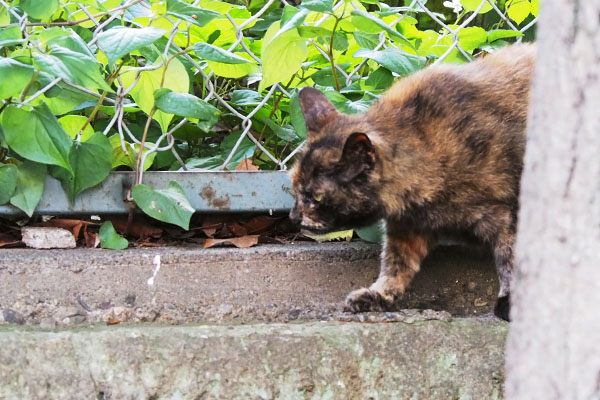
(179, 74)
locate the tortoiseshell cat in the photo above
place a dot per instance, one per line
(441, 151)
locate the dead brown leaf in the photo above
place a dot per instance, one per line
(237, 229)
(8, 240)
(73, 225)
(260, 224)
(140, 226)
(246, 165)
(240, 242)
(92, 240)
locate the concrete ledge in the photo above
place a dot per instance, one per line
(266, 283)
(462, 359)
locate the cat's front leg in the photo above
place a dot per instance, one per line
(400, 261)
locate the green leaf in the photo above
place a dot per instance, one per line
(119, 41)
(70, 65)
(8, 182)
(374, 233)
(296, 116)
(168, 205)
(394, 59)
(245, 97)
(518, 10)
(233, 71)
(381, 78)
(318, 5)
(502, 34)
(175, 78)
(471, 38)
(187, 105)
(67, 38)
(328, 237)
(15, 77)
(309, 32)
(31, 178)
(371, 24)
(535, 7)
(193, 15)
(128, 159)
(72, 124)
(281, 57)
(471, 5)
(291, 18)
(91, 162)
(37, 135)
(39, 9)
(10, 36)
(110, 239)
(366, 40)
(214, 53)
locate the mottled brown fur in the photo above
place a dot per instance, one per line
(441, 151)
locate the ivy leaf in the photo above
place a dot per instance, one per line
(296, 116)
(15, 76)
(471, 38)
(31, 177)
(213, 53)
(328, 237)
(39, 9)
(91, 162)
(168, 205)
(502, 34)
(535, 7)
(128, 159)
(70, 65)
(381, 79)
(471, 5)
(282, 57)
(10, 36)
(394, 59)
(175, 78)
(37, 135)
(110, 239)
(120, 40)
(291, 18)
(72, 124)
(318, 5)
(369, 23)
(233, 71)
(8, 182)
(373, 233)
(518, 10)
(193, 15)
(187, 105)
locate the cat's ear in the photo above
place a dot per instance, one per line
(317, 110)
(358, 156)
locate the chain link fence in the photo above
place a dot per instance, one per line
(85, 12)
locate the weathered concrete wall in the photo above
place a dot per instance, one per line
(266, 283)
(462, 359)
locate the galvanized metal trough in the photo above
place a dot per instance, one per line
(209, 192)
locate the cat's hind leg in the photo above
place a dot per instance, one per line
(400, 261)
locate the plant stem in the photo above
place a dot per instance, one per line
(333, 71)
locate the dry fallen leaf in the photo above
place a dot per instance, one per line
(246, 165)
(140, 227)
(260, 224)
(73, 225)
(7, 240)
(92, 240)
(241, 242)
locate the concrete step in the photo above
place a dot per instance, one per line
(459, 359)
(266, 283)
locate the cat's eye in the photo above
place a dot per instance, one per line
(318, 197)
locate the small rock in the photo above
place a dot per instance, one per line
(130, 300)
(12, 317)
(471, 286)
(47, 238)
(47, 323)
(479, 302)
(225, 309)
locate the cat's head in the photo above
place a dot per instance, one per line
(335, 182)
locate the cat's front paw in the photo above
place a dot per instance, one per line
(363, 300)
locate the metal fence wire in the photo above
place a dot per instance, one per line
(127, 11)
